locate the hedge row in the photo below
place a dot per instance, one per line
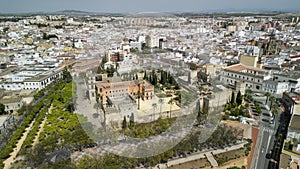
(32, 134)
(32, 112)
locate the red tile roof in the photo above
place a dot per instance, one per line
(240, 67)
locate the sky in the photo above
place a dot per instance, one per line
(115, 6)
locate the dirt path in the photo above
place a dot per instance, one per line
(236, 162)
(8, 162)
(41, 127)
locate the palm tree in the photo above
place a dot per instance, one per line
(268, 95)
(171, 103)
(272, 99)
(160, 101)
(275, 109)
(154, 105)
(117, 65)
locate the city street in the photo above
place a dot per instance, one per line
(266, 136)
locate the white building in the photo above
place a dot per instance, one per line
(42, 81)
(12, 104)
(274, 87)
(136, 45)
(293, 78)
(251, 76)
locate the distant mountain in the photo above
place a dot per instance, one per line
(82, 13)
(73, 11)
(228, 11)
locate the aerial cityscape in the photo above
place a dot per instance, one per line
(179, 85)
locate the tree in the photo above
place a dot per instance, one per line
(117, 65)
(275, 109)
(239, 98)
(154, 79)
(232, 101)
(199, 113)
(150, 79)
(272, 99)
(111, 71)
(2, 109)
(193, 66)
(67, 76)
(124, 123)
(139, 97)
(103, 61)
(171, 103)
(131, 120)
(161, 101)
(5, 29)
(200, 88)
(163, 77)
(268, 95)
(73, 43)
(145, 75)
(248, 92)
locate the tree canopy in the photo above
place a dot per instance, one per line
(2, 109)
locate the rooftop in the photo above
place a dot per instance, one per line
(7, 100)
(241, 67)
(285, 160)
(290, 74)
(295, 125)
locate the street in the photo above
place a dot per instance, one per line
(266, 136)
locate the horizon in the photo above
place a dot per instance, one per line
(175, 12)
(155, 6)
